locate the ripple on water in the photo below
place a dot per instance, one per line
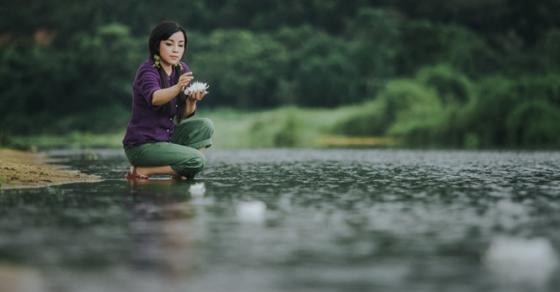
(305, 220)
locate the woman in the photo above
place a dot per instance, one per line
(162, 138)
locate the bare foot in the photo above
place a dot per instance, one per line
(133, 174)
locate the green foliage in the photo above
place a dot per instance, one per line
(374, 42)
(43, 82)
(534, 123)
(411, 109)
(278, 130)
(243, 68)
(455, 92)
(542, 87)
(442, 107)
(495, 99)
(323, 73)
(548, 49)
(499, 112)
(425, 43)
(288, 135)
(368, 119)
(451, 86)
(281, 127)
(460, 73)
(249, 69)
(102, 67)
(68, 140)
(107, 119)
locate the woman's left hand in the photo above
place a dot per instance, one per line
(197, 96)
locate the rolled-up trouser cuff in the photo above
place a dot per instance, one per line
(202, 144)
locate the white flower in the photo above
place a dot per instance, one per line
(196, 87)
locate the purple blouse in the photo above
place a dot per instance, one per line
(150, 123)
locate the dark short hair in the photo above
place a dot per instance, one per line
(161, 32)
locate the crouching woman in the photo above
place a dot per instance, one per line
(163, 137)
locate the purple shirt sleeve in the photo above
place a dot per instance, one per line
(147, 83)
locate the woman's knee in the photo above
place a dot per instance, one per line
(207, 126)
(194, 132)
(191, 164)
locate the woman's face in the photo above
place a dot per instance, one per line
(172, 49)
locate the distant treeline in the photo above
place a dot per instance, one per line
(492, 66)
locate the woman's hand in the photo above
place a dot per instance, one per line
(197, 96)
(184, 80)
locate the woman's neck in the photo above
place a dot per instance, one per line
(167, 68)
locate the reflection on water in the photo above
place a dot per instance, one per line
(523, 263)
(301, 220)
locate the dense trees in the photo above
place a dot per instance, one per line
(472, 62)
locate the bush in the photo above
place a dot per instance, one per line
(501, 102)
(456, 92)
(452, 87)
(412, 110)
(279, 128)
(541, 87)
(405, 108)
(487, 114)
(288, 135)
(367, 120)
(534, 123)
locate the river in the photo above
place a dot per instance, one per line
(293, 220)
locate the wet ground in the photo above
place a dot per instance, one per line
(293, 220)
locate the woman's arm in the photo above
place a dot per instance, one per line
(191, 102)
(190, 106)
(164, 95)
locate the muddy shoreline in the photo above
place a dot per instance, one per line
(19, 169)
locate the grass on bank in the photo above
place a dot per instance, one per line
(281, 127)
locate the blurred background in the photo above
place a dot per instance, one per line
(379, 73)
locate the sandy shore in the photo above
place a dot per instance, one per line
(20, 169)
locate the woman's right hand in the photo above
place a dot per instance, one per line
(184, 80)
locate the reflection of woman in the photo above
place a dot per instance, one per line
(159, 211)
(162, 137)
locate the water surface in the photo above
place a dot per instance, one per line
(293, 220)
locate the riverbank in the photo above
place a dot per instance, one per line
(237, 129)
(19, 169)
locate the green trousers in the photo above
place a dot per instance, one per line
(181, 152)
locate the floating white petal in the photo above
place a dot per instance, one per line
(253, 211)
(520, 261)
(197, 190)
